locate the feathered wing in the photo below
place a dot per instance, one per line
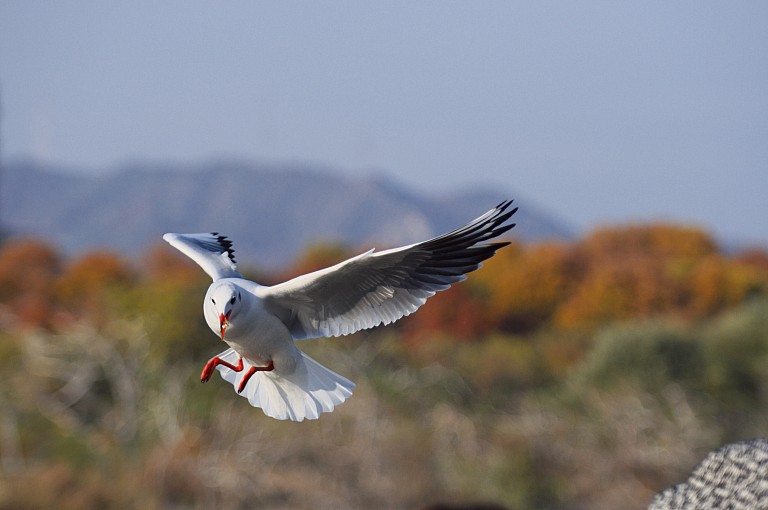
(381, 287)
(309, 391)
(212, 252)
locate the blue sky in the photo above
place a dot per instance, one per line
(601, 112)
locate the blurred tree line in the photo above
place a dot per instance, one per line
(589, 374)
(613, 274)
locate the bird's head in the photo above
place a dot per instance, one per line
(223, 303)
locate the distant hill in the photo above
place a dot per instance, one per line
(271, 212)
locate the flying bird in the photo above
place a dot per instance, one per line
(261, 323)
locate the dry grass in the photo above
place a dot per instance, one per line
(90, 420)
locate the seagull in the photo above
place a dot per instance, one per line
(260, 324)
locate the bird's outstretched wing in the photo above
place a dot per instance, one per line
(212, 252)
(377, 288)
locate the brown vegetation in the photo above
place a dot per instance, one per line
(582, 375)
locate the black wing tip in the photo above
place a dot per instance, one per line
(226, 245)
(505, 204)
(501, 214)
(490, 225)
(501, 219)
(496, 224)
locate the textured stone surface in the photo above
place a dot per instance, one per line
(733, 477)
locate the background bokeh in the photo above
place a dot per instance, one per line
(581, 373)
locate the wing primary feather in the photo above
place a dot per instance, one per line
(490, 218)
(473, 236)
(437, 280)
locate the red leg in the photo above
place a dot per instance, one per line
(251, 371)
(213, 362)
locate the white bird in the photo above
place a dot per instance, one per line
(260, 323)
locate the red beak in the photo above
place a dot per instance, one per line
(224, 322)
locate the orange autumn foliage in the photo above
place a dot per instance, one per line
(453, 313)
(28, 269)
(617, 289)
(612, 274)
(85, 284)
(640, 271)
(318, 256)
(523, 285)
(163, 263)
(717, 283)
(27, 265)
(659, 240)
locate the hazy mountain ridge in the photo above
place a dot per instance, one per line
(270, 211)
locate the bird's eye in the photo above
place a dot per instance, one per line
(213, 301)
(232, 301)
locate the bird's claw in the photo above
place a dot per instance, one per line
(246, 378)
(205, 376)
(209, 368)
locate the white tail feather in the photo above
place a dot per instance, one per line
(309, 391)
